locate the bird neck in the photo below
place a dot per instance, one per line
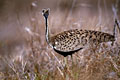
(47, 34)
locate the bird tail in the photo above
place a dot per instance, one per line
(116, 23)
(116, 27)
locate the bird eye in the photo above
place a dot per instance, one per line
(43, 10)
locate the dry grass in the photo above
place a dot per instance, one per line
(37, 61)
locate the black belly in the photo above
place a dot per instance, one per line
(67, 53)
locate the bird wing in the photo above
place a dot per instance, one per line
(67, 41)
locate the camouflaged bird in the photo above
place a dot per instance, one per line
(68, 42)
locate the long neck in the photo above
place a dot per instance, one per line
(47, 34)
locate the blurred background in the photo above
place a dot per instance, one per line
(16, 15)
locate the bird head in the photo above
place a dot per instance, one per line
(45, 12)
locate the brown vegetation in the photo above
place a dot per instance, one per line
(28, 57)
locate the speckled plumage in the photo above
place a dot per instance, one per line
(74, 39)
(68, 42)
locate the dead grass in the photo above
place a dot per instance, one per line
(38, 61)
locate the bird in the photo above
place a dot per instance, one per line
(71, 41)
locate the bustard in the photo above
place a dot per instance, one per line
(68, 42)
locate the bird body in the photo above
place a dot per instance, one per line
(68, 42)
(75, 40)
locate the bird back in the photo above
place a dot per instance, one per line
(75, 39)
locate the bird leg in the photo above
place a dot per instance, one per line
(65, 60)
(72, 59)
